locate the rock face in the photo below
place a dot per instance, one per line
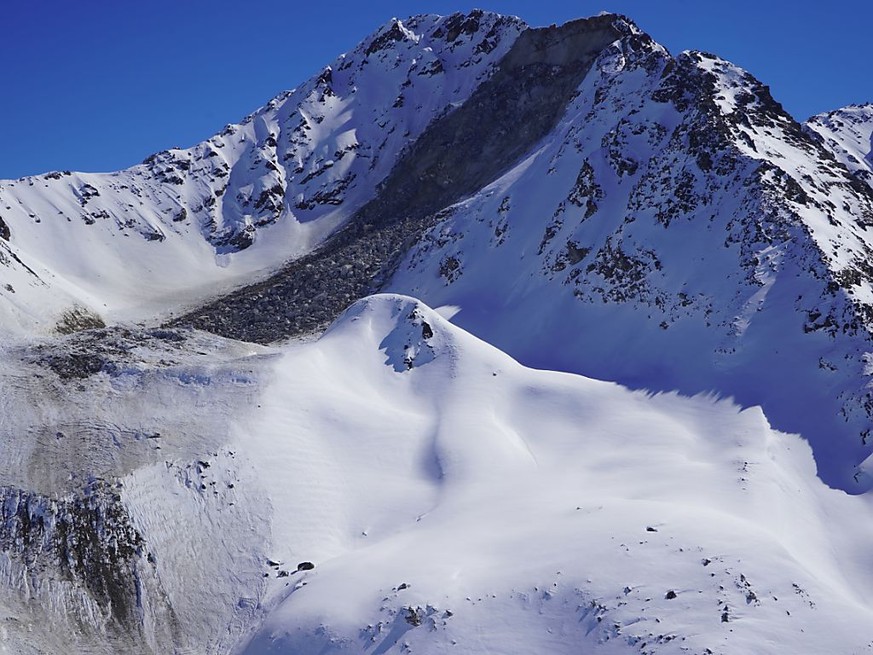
(79, 552)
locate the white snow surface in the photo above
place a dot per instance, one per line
(454, 500)
(450, 500)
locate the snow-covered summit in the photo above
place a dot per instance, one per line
(561, 181)
(189, 223)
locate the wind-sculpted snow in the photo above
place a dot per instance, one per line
(467, 503)
(190, 223)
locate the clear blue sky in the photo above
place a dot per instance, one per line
(98, 85)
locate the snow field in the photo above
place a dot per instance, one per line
(530, 503)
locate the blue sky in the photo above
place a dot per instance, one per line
(98, 85)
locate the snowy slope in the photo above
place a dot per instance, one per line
(189, 223)
(848, 134)
(677, 231)
(448, 498)
(479, 506)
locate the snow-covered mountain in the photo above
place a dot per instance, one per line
(580, 200)
(676, 231)
(188, 223)
(670, 226)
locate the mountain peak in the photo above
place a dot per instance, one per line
(264, 190)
